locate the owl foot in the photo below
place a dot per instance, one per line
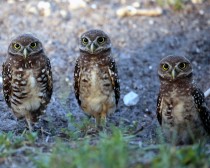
(24, 131)
(100, 121)
(28, 120)
(92, 131)
(44, 131)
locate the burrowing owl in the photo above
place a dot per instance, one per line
(27, 78)
(181, 108)
(97, 87)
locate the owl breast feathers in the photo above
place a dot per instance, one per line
(96, 81)
(27, 78)
(181, 107)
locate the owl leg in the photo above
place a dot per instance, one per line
(103, 120)
(28, 120)
(98, 120)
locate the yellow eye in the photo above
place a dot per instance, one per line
(84, 40)
(33, 45)
(16, 46)
(182, 65)
(165, 67)
(101, 40)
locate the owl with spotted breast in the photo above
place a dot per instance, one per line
(96, 82)
(27, 78)
(181, 108)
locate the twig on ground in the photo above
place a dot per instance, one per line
(132, 11)
(138, 130)
(43, 131)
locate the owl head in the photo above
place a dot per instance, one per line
(173, 68)
(24, 46)
(94, 42)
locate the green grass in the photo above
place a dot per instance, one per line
(115, 151)
(9, 142)
(174, 4)
(187, 156)
(112, 149)
(108, 151)
(76, 129)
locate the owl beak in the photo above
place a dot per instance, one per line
(25, 52)
(92, 48)
(173, 74)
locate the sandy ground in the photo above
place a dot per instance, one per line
(138, 44)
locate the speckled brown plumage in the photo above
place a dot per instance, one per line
(96, 83)
(181, 107)
(27, 78)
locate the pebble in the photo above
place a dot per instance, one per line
(94, 6)
(150, 67)
(201, 12)
(140, 143)
(76, 4)
(196, 1)
(45, 8)
(151, 22)
(131, 99)
(136, 4)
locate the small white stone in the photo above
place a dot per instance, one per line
(196, 1)
(140, 144)
(67, 79)
(76, 4)
(151, 22)
(31, 9)
(131, 99)
(44, 7)
(93, 6)
(201, 12)
(136, 4)
(63, 13)
(150, 67)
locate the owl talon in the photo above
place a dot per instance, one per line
(100, 122)
(29, 124)
(44, 132)
(92, 131)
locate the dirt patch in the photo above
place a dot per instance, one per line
(138, 42)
